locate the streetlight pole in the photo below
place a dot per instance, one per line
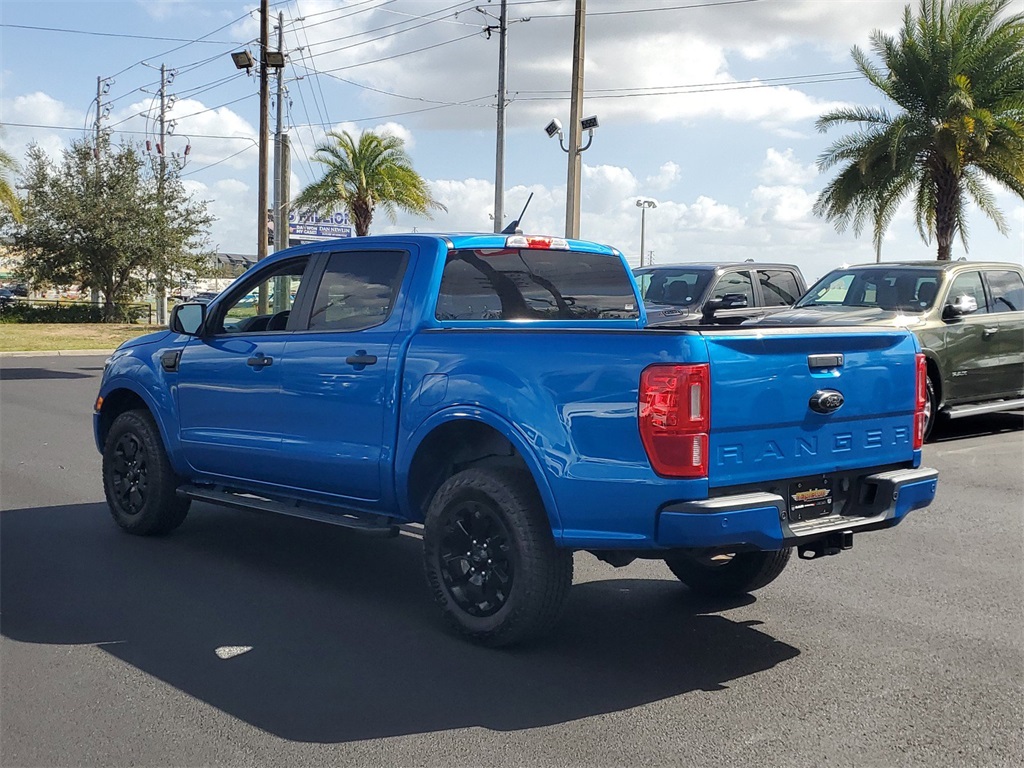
(643, 204)
(572, 187)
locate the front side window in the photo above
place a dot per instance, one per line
(968, 284)
(778, 287)
(1006, 289)
(736, 284)
(262, 303)
(357, 290)
(534, 284)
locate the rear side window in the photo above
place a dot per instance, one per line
(534, 284)
(357, 290)
(778, 287)
(1006, 289)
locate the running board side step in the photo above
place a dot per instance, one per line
(959, 411)
(375, 525)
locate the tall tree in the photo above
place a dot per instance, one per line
(101, 221)
(956, 73)
(8, 199)
(364, 174)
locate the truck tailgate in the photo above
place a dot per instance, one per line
(770, 402)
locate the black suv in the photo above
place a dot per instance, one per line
(717, 293)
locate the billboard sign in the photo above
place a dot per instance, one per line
(311, 227)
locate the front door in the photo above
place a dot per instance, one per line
(229, 379)
(970, 359)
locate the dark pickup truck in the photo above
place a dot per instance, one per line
(717, 293)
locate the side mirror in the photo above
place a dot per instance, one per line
(961, 305)
(187, 318)
(728, 301)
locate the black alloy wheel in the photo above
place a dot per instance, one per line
(478, 564)
(129, 474)
(138, 480)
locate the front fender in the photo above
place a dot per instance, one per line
(409, 447)
(142, 376)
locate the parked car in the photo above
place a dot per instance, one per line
(968, 317)
(717, 293)
(205, 297)
(503, 392)
(7, 296)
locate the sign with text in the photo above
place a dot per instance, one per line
(308, 226)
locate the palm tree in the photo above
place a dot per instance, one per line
(364, 174)
(956, 72)
(8, 199)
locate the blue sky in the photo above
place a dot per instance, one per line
(706, 106)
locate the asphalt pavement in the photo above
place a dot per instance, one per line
(251, 640)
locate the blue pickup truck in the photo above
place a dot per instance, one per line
(504, 392)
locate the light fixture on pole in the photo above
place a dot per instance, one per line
(643, 204)
(572, 193)
(243, 60)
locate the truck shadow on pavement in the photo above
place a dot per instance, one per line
(317, 634)
(977, 426)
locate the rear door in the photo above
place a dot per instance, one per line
(339, 391)
(763, 383)
(779, 289)
(1005, 330)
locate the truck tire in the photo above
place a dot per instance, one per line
(727, 575)
(932, 409)
(138, 480)
(490, 558)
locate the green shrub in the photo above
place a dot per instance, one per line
(69, 312)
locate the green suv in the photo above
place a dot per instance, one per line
(968, 317)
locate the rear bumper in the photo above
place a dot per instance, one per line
(759, 520)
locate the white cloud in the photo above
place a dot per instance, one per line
(784, 168)
(668, 174)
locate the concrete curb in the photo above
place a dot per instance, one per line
(59, 353)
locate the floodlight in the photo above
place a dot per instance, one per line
(243, 59)
(589, 123)
(553, 128)
(274, 59)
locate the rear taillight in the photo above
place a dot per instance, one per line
(675, 418)
(921, 400)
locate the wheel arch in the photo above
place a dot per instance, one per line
(935, 374)
(120, 398)
(454, 440)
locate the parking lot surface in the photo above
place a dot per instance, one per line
(245, 639)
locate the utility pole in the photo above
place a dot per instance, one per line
(499, 154)
(94, 294)
(280, 182)
(160, 289)
(572, 186)
(262, 230)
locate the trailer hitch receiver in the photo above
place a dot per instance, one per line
(832, 544)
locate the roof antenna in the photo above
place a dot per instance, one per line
(513, 227)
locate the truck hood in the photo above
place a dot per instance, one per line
(839, 316)
(146, 338)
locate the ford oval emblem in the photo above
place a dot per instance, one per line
(826, 401)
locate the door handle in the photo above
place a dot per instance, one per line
(259, 361)
(360, 359)
(989, 332)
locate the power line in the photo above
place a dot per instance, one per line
(642, 10)
(118, 34)
(400, 55)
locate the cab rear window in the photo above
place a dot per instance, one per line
(534, 284)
